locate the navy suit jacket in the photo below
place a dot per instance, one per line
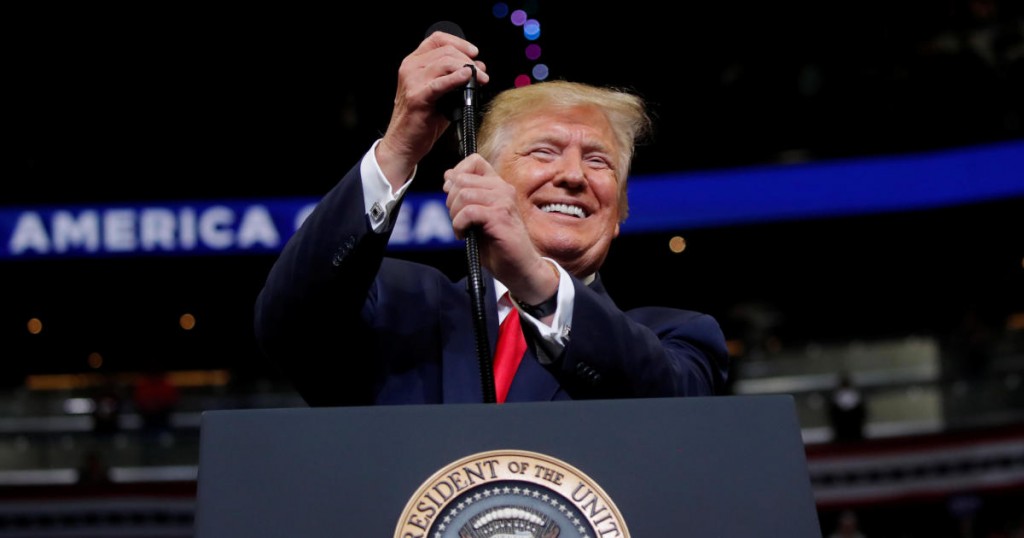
(350, 326)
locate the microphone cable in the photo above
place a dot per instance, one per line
(466, 132)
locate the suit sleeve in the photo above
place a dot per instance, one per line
(308, 314)
(645, 352)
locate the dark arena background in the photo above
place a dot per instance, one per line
(841, 184)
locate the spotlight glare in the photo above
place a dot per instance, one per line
(187, 321)
(677, 244)
(533, 51)
(531, 29)
(540, 71)
(499, 10)
(518, 17)
(522, 80)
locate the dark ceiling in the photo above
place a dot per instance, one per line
(149, 103)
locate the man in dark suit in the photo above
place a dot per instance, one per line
(547, 192)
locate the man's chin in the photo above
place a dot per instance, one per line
(575, 260)
(554, 248)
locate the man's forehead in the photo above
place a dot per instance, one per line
(559, 123)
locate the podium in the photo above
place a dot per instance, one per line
(659, 467)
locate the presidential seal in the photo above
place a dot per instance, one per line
(510, 494)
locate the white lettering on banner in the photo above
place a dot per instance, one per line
(119, 230)
(187, 227)
(257, 226)
(400, 234)
(29, 234)
(303, 214)
(126, 230)
(68, 232)
(156, 229)
(422, 223)
(213, 225)
(433, 222)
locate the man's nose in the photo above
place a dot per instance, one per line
(571, 173)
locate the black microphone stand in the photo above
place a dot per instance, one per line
(466, 132)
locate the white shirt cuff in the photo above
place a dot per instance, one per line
(556, 336)
(378, 198)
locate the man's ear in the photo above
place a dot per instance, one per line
(616, 230)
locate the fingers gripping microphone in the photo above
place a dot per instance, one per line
(460, 108)
(451, 104)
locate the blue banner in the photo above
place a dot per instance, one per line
(668, 202)
(224, 227)
(826, 189)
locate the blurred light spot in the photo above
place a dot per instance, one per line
(63, 381)
(533, 51)
(95, 360)
(500, 10)
(35, 325)
(187, 321)
(540, 71)
(79, 406)
(531, 29)
(518, 17)
(677, 244)
(736, 348)
(200, 378)
(773, 344)
(522, 80)
(1015, 322)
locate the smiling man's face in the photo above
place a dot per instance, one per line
(562, 162)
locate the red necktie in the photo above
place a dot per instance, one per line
(508, 354)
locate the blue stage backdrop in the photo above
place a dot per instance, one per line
(664, 202)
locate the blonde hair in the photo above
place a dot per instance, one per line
(626, 112)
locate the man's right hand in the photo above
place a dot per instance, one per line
(479, 198)
(436, 67)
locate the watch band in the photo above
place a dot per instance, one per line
(547, 307)
(541, 310)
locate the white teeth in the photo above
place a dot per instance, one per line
(564, 209)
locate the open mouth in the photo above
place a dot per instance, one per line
(564, 209)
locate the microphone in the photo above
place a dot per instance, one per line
(461, 110)
(447, 27)
(453, 104)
